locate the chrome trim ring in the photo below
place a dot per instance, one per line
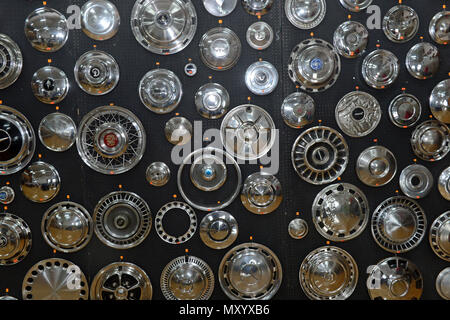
(430, 140)
(176, 205)
(11, 61)
(440, 236)
(15, 239)
(416, 181)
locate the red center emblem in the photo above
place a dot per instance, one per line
(110, 140)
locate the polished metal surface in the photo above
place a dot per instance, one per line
(261, 193)
(260, 35)
(350, 39)
(157, 174)
(320, 155)
(358, 113)
(178, 130)
(247, 132)
(416, 181)
(439, 27)
(164, 26)
(40, 182)
(380, 69)
(422, 60)
(160, 90)
(100, 19)
(121, 281)
(46, 29)
(328, 273)
(298, 228)
(314, 65)
(7, 195)
(178, 207)
(443, 283)
(440, 101)
(376, 166)
(400, 24)
(405, 110)
(122, 220)
(340, 212)
(261, 78)
(430, 140)
(15, 239)
(257, 7)
(212, 100)
(111, 140)
(444, 183)
(11, 61)
(398, 224)
(209, 174)
(57, 132)
(220, 49)
(220, 8)
(250, 271)
(96, 72)
(356, 5)
(50, 85)
(190, 69)
(395, 278)
(187, 278)
(55, 279)
(67, 227)
(439, 236)
(305, 14)
(8, 298)
(218, 230)
(17, 141)
(298, 110)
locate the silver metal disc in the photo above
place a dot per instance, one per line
(314, 65)
(100, 19)
(40, 182)
(18, 141)
(57, 132)
(257, 7)
(376, 166)
(220, 8)
(67, 227)
(157, 174)
(444, 183)
(250, 271)
(15, 239)
(298, 110)
(398, 224)
(430, 140)
(261, 78)
(260, 35)
(261, 193)
(7, 194)
(220, 49)
(248, 132)
(305, 14)
(96, 72)
(320, 155)
(178, 130)
(164, 26)
(440, 101)
(416, 181)
(190, 69)
(358, 114)
(380, 69)
(405, 110)
(122, 220)
(180, 207)
(340, 212)
(46, 29)
(328, 273)
(422, 60)
(11, 61)
(400, 24)
(160, 90)
(439, 236)
(443, 283)
(50, 85)
(395, 278)
(111, 140)
(298, 228)
(218, 230)
(208, 172)
(356, 5)
(350, 39)
(187, 278)
(439, 27)
(55, 279)
(121, 281)
(212, 101)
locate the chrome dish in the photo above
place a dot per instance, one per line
(443, 283)
(305, 14)
(218, 230)
(422, 61)
(180, 207)
(260, 35)
(356, 5)
(405, 110)
(261, 78)
(440, 236)
(257, 7)
(439, 27)
(416, 181)
(7, 195)
(11, 61)
(430, 140)
(376, 166)
(220, 49)
(220, 8)
(298, 110)
(57, 132)
(440, 101)
(444, 183)
(380, 69)
(100, 19)
(261, 193)
(212, 101)
(50, 85)
(298, 228)
(350, 39)
(157, 174)
(400, 24)
(40, 182)
(178, 130)
(15, 239)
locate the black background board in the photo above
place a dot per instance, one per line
(86, 186)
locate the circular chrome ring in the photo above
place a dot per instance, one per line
(298, 110)
(440, 236)
(173, 206)
(416, 181)
(15, 239)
